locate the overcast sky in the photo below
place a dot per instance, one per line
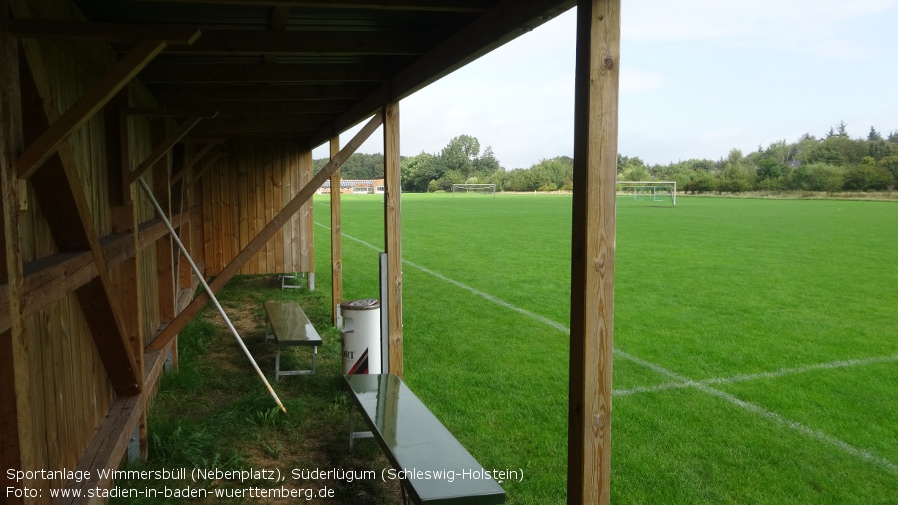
(698, 78)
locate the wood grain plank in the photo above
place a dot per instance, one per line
(592, 251)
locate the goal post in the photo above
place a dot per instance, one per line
(656, 190)
(483, 189)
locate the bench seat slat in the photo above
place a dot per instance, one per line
(290, 324)
(415, 440)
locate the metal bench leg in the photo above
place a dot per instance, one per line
(277, 364)
(314, 357)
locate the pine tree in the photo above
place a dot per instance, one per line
(873, 135)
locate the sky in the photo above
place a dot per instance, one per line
(698, 79)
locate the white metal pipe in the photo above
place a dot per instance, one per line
(199, 275)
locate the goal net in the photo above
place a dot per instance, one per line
(481, 189)
(655, 191)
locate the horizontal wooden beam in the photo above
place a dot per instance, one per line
(296, 124)
(274, 92)
(266, 233)
(110, 32)
(168, 112)
(52, 277)
(93, 100)
(317, 43)
(397, 5)
(183, 73)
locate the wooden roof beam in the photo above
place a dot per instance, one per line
(192, 161)
(185, 73)
(280, 14)
(295, 42)
(201, 94)
(504, 22)
(163, 148)
(43, 147)
(398, 5)
(110, 32)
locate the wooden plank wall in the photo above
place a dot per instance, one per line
(71, 390)
(243, 192)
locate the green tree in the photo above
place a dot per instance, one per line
(873, 135)
(867, 176)
(418, 171)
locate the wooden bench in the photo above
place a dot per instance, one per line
(287, 324)
(432, 465)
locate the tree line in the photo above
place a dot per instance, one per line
(834, 162)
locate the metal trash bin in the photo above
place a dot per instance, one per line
(361, 336)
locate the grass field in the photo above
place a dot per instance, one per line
(756, 341)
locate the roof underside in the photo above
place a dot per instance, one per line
(308, 70)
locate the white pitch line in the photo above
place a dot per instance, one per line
(762, 375)
(861, 454)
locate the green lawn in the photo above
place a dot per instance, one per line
(784, 310)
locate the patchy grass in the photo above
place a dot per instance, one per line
(214, 412)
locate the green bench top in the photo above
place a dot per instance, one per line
(289, 324)
(415, 441)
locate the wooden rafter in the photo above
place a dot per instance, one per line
(193, 161)
(265, 234)
(163, 148)
(416, 5)
(110, 32)
(294, 42)
(44, 146)
(205, 168)
(240, 93)
(280, 14)
(500, 24)
(181, 73)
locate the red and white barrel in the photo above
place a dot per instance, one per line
(361, 336)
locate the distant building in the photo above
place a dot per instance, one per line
(355, 187)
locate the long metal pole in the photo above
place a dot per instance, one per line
(196, 270)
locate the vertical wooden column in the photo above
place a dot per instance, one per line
(393, 235)
(592, 254)
(129, 289)
(336, 235)
(307, 248)
(164, 246)
(18, 442)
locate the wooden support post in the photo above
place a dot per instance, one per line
(164, 247)
(129, 288)
(336, 235)
(307, 222)
(393, 235)
(592, 251)
(267, 232)
(19, 448)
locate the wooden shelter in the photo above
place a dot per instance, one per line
(217, 105)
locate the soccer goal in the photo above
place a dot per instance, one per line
(657, 191)
(482, 189)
